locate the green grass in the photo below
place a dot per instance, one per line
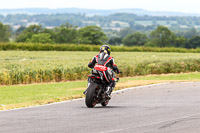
(30, 93)
(184, 76)
(36, 94)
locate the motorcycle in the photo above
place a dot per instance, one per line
(98, 85)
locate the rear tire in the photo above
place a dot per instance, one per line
(90, 99)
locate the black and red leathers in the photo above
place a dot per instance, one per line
(107, 61)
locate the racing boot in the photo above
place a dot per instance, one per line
(109, 91)
(85, 92)
(87, 87)
(110, 88)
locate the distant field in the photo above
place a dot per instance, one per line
(165, 23)
(23, 67)
(53, 59)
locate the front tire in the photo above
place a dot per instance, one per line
(91, 99)
(105, 103)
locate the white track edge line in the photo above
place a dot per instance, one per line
(79, 99)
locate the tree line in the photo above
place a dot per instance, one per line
(66, 33)
(160, 37)
(69, 34)
(82, 20)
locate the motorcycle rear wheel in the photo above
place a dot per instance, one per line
(90, 99)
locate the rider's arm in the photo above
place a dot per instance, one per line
(92, 62)
(114, 66)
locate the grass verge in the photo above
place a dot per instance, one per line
(37, 94)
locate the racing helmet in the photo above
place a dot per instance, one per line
(106, 49)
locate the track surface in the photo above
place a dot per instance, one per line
(172, 107)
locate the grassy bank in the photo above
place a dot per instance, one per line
(37, 94)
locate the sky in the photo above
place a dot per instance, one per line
(186, 6)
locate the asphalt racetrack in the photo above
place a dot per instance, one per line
(162, 108)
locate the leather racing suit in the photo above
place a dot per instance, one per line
(107, 61)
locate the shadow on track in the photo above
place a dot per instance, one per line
(107, 107)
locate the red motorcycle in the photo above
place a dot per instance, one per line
(97, 86)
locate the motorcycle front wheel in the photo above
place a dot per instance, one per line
(105, 103)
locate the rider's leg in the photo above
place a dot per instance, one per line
(110, 87)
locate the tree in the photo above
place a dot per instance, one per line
(126, 31)
(190, 33)
(138, 27)
(131, 23)
(162, 37)
(135, 39)
(23, 37)
(27, 34)
(181, 41)
(34, 29)
(5, 33)
(154, 22)
(66, 34)
(117, 25)
(115, 41)
(41, 38)
(92, 35)
(194, 42)
(20, 30)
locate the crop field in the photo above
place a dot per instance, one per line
(25, 67)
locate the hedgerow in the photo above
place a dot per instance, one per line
(81, 47)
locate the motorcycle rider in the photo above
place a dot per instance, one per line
(104, 58)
